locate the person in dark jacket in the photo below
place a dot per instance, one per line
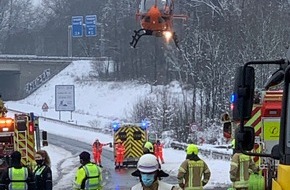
(17, 176)
(42, 172)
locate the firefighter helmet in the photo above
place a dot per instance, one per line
(192, 148)
(148, 145)
(147, 163)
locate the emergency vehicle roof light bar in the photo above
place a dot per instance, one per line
(116, 126)
(144, 124)
(6, 122)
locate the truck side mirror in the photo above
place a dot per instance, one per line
(44, 138)
(275, 152)
(275, 79)
(243, 96)
(246, 139)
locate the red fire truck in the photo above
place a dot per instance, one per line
(18, 133)
(265, 119)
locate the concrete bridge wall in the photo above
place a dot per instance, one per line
(22, 75)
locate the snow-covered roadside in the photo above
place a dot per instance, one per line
(62, 166)
(173, 158)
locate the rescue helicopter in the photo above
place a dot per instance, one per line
(156, 19)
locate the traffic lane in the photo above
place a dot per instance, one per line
(113, 179)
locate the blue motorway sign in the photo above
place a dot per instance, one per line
(91, 21)
(77, 26)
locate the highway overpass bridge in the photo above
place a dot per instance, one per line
(20, 75)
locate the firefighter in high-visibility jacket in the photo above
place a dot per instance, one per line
(89, 175)
(193, 173)
(240, 169)
(17, 176)
(148, 148)
(97, 151)
(158, 151)
(120, 151)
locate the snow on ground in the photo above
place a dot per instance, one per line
(99, 103)
(173, 158)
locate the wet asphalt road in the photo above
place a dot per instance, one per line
(113, 179)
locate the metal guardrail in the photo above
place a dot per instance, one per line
(210, 153)
(62, 122)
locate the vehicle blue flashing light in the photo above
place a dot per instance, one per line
(116, 126)
(144, 125)
(233, 98)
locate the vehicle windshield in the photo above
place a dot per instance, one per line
(147, 4)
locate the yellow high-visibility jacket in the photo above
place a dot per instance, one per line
(194, 174)
(88, 177)
(241, 168)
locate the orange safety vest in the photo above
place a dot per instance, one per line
(98, 148)
(120, 149)
(158, 148)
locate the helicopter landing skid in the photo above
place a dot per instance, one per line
(142, 32)
(138, 34)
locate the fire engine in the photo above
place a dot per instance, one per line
(133, 136)
(265, 119)
(20, 133)
(274, 138)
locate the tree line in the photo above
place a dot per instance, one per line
(218, 36)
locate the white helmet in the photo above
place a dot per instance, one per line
(147, 163)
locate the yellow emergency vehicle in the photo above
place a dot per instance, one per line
(133, 136)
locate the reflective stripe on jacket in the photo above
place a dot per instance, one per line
(43, 177)
(38, 170)
(18, 178)
(88, 177)
(194, 173)
(240, 168)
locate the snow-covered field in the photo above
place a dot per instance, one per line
(100, 103)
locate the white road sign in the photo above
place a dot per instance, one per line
(45, 107)
(64, 98)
